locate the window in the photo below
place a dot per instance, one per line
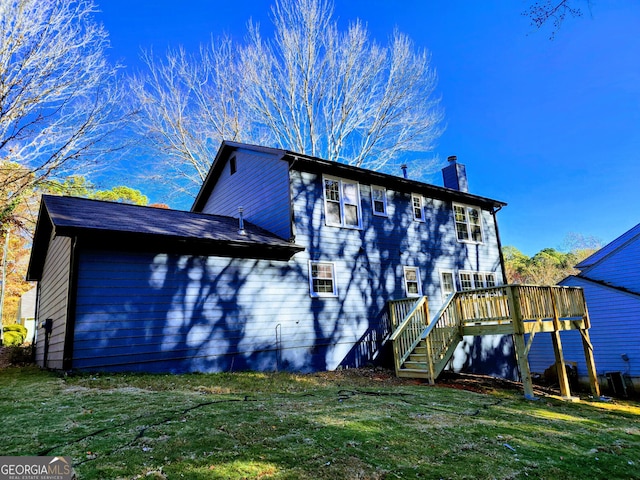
(379, 200)
(341, 203)
(232, 166)
(470, 280)
(412, 281)
(447, 285)
(418, 211)
(468, 223)
(322, 279)
(465, 281)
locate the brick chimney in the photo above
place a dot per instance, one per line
(455, 175)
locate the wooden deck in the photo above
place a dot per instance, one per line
(423, 347)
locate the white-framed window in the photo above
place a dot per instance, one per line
(447, 283)
(468, 222)
(322, 279)
(418, 207)
(471, 280)
(379, 200)
(412, 281)
(342, 203)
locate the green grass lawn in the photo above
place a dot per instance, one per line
(345, 425)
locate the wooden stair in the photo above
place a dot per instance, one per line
(422, 347)
(417, 365)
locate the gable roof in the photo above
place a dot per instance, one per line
(617, 244)
(318, 165)
(148, 227)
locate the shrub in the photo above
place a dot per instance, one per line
(19, 356)
(14, 334)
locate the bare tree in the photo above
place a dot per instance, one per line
(340, 95)
(188, 105)
(554, 11)
(311, 88)
(57, 104)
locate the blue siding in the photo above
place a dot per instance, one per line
(181, 313)
(158, 312)
(620, 268)
(261, 186)
(369, 262)
(615, 330)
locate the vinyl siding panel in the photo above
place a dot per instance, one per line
(53, 301)
(261, 186)
(369, 261)
(620, 269)
(615, 330)
(157, 312)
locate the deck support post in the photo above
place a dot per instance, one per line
(588, 354)
(561, 367)
(518, 340)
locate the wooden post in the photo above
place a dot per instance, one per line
(591, 363)
(588, 353)
(432, 376)
(518, 340)
(561, 368)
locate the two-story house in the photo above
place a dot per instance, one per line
(284, 262)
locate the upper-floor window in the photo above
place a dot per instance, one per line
(322, 279)
(471, 280)
(412, 281)
(468, 223)
(342, 203)
(447, 284)
(418, 210)
(233, 168)
(379, 200)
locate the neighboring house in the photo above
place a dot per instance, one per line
(26, 314)
(300, 283)
(611, 282)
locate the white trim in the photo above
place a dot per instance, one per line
(467, 223)
(342, 203)
(413, 207)
(477, 279)
(384, 201)
(444, 293)
(406, 283)
(334, 292)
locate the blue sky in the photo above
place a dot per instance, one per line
(549, 126)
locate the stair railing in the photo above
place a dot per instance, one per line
(408, 334)
(440, 335)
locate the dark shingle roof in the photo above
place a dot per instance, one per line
(102, 221)
(318, 165)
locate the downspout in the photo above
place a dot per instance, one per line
(69, 334)
(292, 220)
(495, 223)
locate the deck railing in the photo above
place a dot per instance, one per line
(507, 306)
(398, 310)
(406, 337)
(495, 305)
(440, 334)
